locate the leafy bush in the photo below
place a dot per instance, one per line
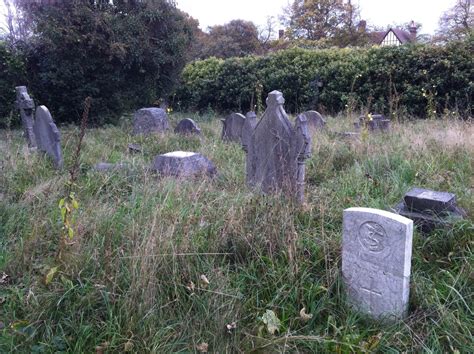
(123, 56)
(11, 74)
(419, 80)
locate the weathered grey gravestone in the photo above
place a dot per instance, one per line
(26, 105)
(183, 164)
(47, 136)
(247, 129)
(376, 261)
(187, 126)
(276, 151)
(232, 127)
(315, 120)
(149, 121)
(430, 209)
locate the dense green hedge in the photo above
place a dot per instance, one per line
(414, 80)
(12, 74)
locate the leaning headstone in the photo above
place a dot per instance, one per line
(187, 126)
(276, 151)
(26, 105)
(232, 127)
(183, 164)
(48, 138)
(430, 209)
(149, 121)
(315, 120)
(376, 261)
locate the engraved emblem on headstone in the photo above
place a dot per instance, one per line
(372, 236)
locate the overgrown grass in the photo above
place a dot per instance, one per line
(132, 279)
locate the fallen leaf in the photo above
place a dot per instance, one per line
(19, 324)
(202, 348)
(50, 275)
(305, 317)
(191, 287)
(272, 321)
(373, 342)
(231, 326)
(204, 280)
(127, 347)
(101, 348)
(4, 278)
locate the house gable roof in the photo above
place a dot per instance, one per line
(403, 36)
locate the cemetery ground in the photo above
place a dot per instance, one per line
(170, 265)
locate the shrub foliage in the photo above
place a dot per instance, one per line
(417, 80)
(12, 73)
(123, 56)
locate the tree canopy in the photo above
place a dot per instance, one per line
(237, 38)
(332, 20)
(456, 23)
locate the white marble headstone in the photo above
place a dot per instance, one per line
(376, 261)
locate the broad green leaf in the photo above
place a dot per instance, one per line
(70, 232)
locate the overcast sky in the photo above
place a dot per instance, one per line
(376, 12)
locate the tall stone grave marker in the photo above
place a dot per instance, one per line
(149, 121)
(315, 120)
(276, 150)
(47, 136)
(376, 261)
(232, 127)
(26, 105)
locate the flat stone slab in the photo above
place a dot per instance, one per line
(430, 209)
(419, 199)
(183, 164)
(428, 222)
(48, 138)
(105, 166)
(349, 135)
(150, 121)
(376, 261)
(187, 126)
